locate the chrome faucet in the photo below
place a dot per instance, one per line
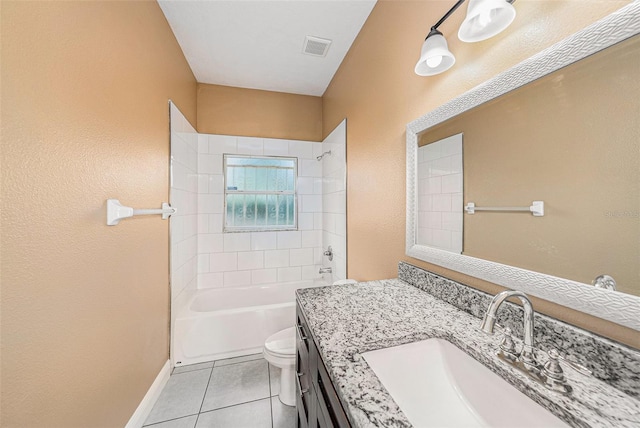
(329, 253)
(527, 356)
(325, 270)
(551, 374)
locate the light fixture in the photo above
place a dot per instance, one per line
(435, 56)
(485, 19)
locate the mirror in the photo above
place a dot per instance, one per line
(561, 128)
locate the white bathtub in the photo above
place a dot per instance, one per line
(229, 322)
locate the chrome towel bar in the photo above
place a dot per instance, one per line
(536, 208)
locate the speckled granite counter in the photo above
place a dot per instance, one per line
(347, 320)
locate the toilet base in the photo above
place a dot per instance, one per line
(287, 393)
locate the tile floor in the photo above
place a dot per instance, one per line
(237, 392)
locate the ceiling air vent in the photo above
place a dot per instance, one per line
(316, 46)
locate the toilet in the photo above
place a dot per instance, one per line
(280, 350)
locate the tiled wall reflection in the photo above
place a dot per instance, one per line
(440, 182)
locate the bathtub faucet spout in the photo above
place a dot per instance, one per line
(325, 270)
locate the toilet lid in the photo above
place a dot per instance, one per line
(282, 342)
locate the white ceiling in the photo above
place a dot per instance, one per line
(258, 44)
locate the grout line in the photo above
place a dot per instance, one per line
(204, 396)
(238, 362)
(237, 404)
(190, 371)
(169, 420)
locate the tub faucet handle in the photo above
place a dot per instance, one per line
(329, 253)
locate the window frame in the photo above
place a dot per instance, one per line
(265, 228)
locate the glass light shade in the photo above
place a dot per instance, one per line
(485, 19)
(435, 56)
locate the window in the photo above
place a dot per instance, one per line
(260, 193)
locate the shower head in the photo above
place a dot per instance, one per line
(319, 158)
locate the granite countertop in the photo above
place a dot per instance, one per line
(347, 320)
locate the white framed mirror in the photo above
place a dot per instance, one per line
(619, 307)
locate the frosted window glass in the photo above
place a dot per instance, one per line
(260, 193)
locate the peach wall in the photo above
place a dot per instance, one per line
(252, 113)
(377, 90)
(85, 117)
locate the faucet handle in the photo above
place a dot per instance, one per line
(507, 346)
(553, 374)
(555, 356)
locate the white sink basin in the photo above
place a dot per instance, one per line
(438, 385)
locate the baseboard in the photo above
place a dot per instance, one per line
(150, 398)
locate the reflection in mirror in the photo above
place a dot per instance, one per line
(561, 127)
(571, 139)
(440, 194)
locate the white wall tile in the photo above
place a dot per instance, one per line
(289, 239)
(210, 280)
(264, 241)
(250, 145)
(203, 263)
(301, 257)
(210, 243)
(289, 274)
(442, 238)
(317, 186)
(237, 242)
(276, 147)
(452, 221)
(310, 203)
(264, 276)
(305, 221)
(215, 223)
(435, 185)
(441, 202)
(215, 183)
(210, 164)
(456, 202)
(220, 144)
(203, 183)
(434, 220)
(310, 272)
(276, 258)
(311, 238)
(452, 183)
(210, 204)
(305, 185)
(309, 168)
(317, 221)
(223, 262)
(203, 143)
(248, 260)
(237, 279)
(301, 149)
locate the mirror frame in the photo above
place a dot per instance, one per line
(617, 307)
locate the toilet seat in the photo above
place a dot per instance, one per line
(282, 343)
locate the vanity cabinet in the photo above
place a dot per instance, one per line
(317, 403)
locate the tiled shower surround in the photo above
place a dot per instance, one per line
(202, 256)
(184, 196)
(253, 258)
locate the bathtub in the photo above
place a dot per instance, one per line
(217, 323)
